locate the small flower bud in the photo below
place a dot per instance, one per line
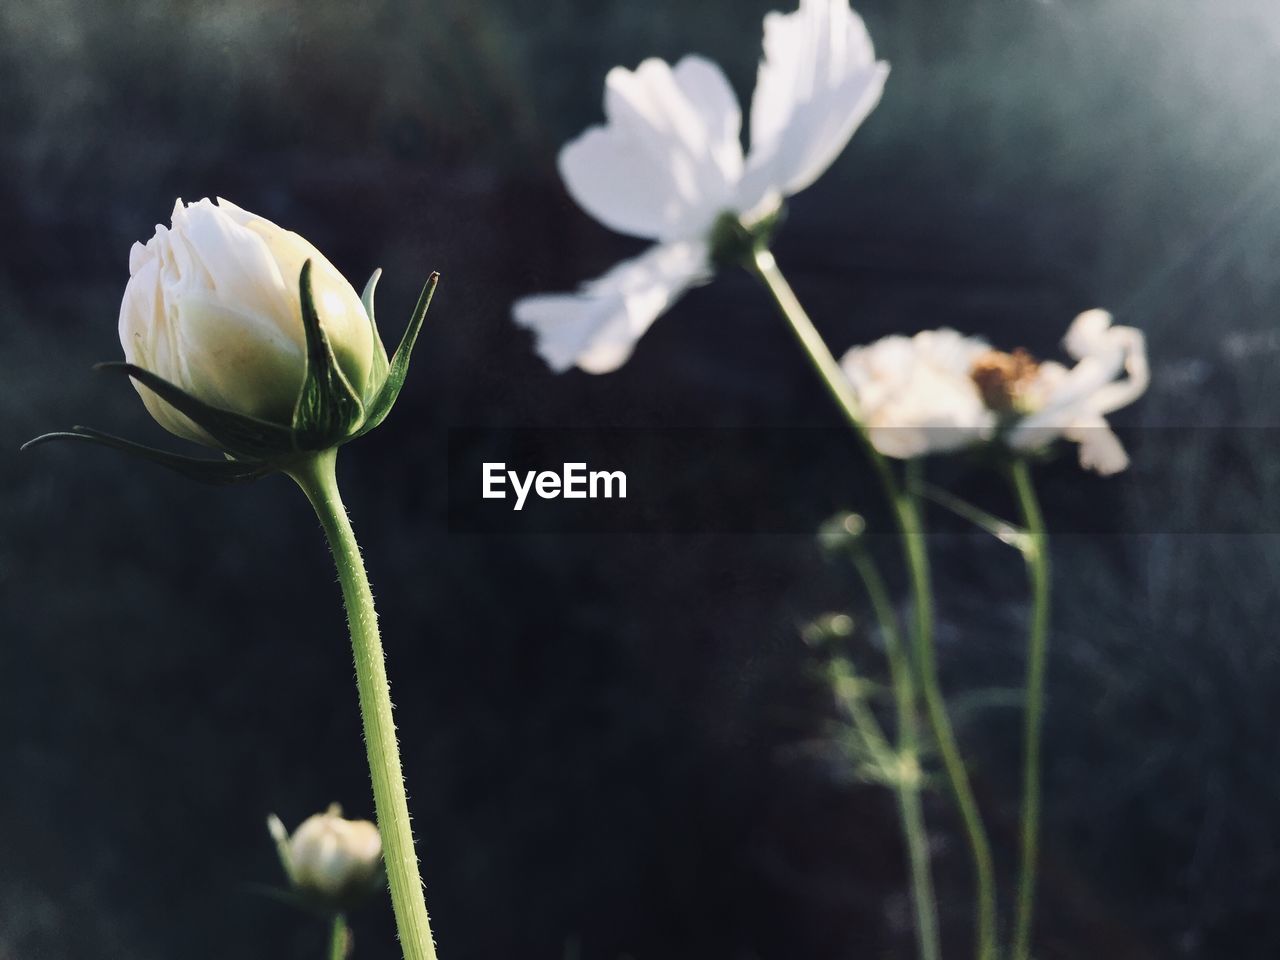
(840, 532)
(331, 862)
(827, 629)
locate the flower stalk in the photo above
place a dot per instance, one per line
(909, 782)
(318, 479)
(907, 516)
(1035, 550)
(339, 938)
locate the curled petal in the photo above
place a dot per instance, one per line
(667, 161)
(1111, 372)
(596, 328)
(818, 81)
(1092, 333)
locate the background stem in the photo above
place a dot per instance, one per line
(1036, 552)
(339, 938)
(909, 780)
(318, 480)
(907, 517)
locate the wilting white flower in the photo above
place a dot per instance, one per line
(213, 306)
(917, 394)
(329, 860)
(1111, 372)
(669, 163)
(939, 391)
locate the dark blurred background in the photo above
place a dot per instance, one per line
(619, 746)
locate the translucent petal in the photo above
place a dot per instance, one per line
(596, 328)
(669, 158)
(818, 81)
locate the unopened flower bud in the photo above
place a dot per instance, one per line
(331, 862)
(213, 306)
(839, 533)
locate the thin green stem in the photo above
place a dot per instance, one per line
(318, 480)
(339, 938)
(908, 782)
(1002, 530)
(815, 348)
(907, 510)
(907, 516)
(1036, 552)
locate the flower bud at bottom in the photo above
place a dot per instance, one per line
(333, 863)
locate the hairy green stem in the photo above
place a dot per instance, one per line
(908, 782)
(339, 938)
(1036, 551)
(318, 480)
(907, 516)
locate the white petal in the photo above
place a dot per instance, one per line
(818, 81)
(149, 339)
(667, 161)
(1100, 449)
(1087, 334)
(597, 328)
(1111, 372)
(238, 361)
(1091, 387)
(1131, 344)
(239, 264)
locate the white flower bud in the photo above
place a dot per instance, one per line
(331, 861)
(213, 306)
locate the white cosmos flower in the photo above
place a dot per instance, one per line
(917, 394)
(939, 391)
(669, 162)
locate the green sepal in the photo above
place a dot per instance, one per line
(398, 369)
(378, 374)
(236, 433)
(734, 243)
(207, 471)
(328, 407)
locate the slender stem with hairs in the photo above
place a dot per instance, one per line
(907, 517)
(318, 480)
(1036, 551)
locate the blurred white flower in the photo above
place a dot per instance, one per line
(917, 394)
(669, 163)
(939, 391)
(213, 306)
(330, 861)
